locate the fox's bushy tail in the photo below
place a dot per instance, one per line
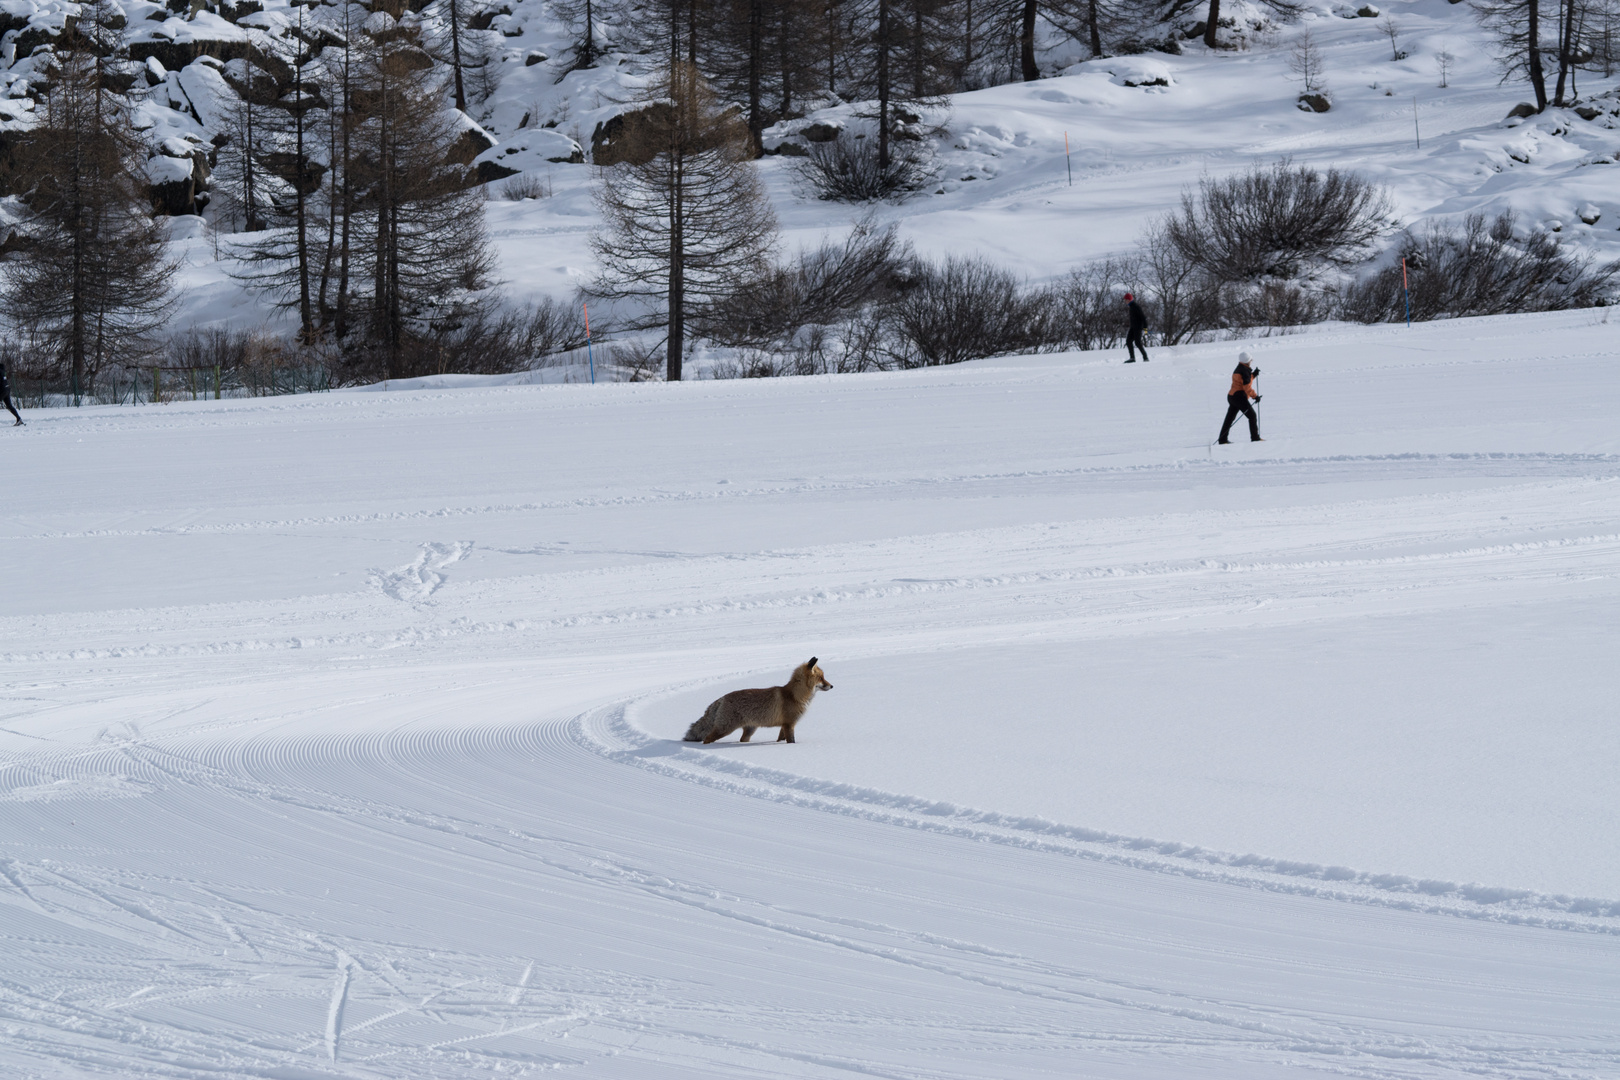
(703, 725)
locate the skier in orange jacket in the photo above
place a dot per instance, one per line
(1237, 400)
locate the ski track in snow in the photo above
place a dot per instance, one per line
(258, 819)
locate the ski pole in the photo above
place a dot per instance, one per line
(590, 356)
(1407, 289)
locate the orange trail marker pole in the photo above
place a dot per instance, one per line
(1407, 289)
(1067, 163)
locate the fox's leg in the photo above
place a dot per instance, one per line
(787, 733)
(748, 733)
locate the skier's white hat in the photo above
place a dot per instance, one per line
(1245, 358)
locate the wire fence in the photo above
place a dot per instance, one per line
(156, 384)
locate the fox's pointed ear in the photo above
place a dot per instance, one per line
(812, 662)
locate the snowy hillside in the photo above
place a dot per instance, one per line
(1140, 129)
(1003, 190)
(339, 732)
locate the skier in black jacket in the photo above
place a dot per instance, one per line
(5, 397)
(1133, 340)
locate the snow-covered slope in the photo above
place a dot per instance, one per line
(338, 731)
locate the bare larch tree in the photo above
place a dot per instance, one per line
(685, 220)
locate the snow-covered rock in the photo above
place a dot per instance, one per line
(526, 150)
(1138, 71)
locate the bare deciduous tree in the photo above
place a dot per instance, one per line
(1516, 28)
(691, 220)
(1305, 61)
(1445, 62)
(580, 16)
(1392, 30)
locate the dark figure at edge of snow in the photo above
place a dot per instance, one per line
(1133, 340)
(1237, 401)
(5, 397)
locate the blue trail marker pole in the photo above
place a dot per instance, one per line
(588, 354)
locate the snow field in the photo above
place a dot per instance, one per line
(337, 732)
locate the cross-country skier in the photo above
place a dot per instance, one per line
(1133, 340)
(1238, 399)
(5, 397)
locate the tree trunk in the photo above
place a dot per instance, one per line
(1026, 43)
(756, 62)
(785, 31)
(1096, 30)
(883, 84)
(967, 39)
(250, 211)
(1566, 46)
(1213, 20)
(832, 47)
(677, 269)
(1538, 79)
(340, 323)
(917, 49)
(76, 329)
(455, 52)
(587, 54)
(305, 315)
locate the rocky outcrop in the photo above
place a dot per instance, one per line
(178, 171)
(635, 135)
(821, 131)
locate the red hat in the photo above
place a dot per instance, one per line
(1128, 296)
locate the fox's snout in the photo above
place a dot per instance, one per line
(825, 685)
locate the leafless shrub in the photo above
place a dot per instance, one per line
(212, 346)
(754, 365)
(819, 287)
(638, 361)
(1274, 305)
(1277, 221)
(494, 342)
(849, 168)
(964, 309)
(1086, 309)
(861, 341)
(1184, 300)
(525, 185)
(1478, 268)
(485, 340)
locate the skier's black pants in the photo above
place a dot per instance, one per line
(1239, 403)
(6, 401)
(1133, 341)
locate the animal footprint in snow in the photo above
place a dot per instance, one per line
(421, 577)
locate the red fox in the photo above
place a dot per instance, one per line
(773, 706)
